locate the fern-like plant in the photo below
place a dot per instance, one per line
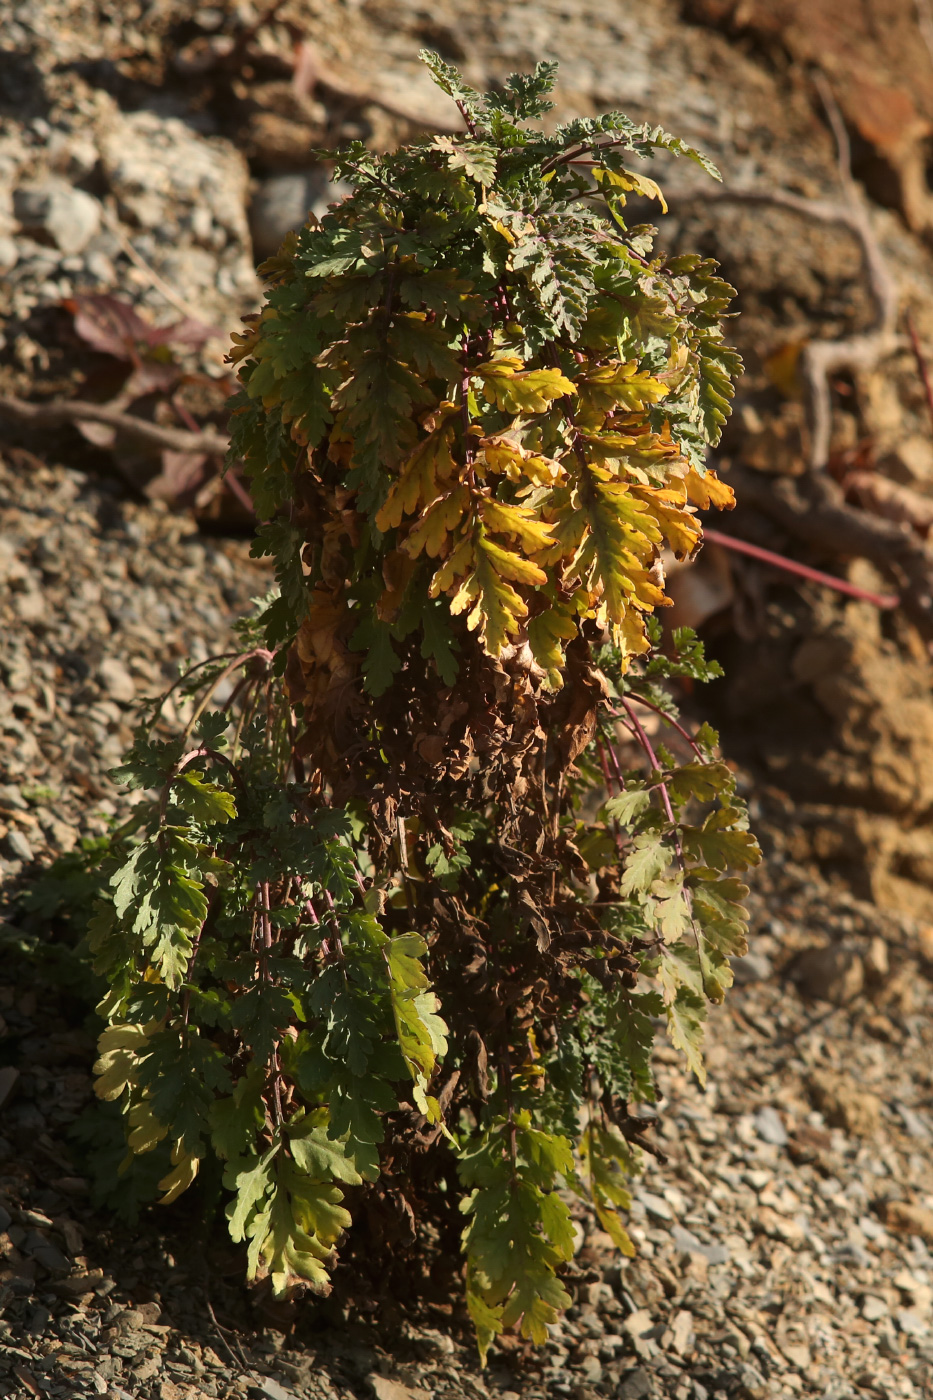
(377, 942)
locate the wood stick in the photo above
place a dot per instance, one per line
(56, 411)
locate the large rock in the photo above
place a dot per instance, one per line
(188, 193)
(283, 202)
(53, 210)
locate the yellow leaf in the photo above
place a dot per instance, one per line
(453, 568)
(629, 633)
(502, 455)
(430, 534)
(681, 529)
(708, 490)
(180, 1177)
(513, 389)
(615, 386)
(511, 566)
(546, 631)
(147, 1131)
(518, 521)
(498, 611)
(628, 180)
(418, 481)
(617, 1232)
(121, 1048)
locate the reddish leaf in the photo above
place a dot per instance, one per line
(181, 472)
(187, 332)
(108, 324)
(114, 327)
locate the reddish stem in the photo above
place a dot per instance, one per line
(790, 566)
(607, 777)
(639, 700)
(652, 757)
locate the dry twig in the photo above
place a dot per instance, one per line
(51, 414)
(160, 285)
(823, 358)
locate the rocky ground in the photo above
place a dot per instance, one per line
(151, 155)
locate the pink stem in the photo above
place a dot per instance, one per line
(652, 756)
(790, 566)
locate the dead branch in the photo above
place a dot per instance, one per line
(813, 509)
(51, 414)
(823, 358)
(153, 278)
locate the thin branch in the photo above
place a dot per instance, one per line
(467, 119)
(823, 358)
(669, 719)
(46, 415)
(790, 566)
(840, 135)
(568, 157)
(153, 277)
(646, 744)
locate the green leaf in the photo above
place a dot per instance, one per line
(686, 1016)
(628, 806)
(648, 858)
(250, 1178)
(205, 801)
(235, 1121)
(722, 842)
(316, 1154)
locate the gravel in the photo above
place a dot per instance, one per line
(104, 598)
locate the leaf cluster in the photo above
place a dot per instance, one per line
(375, 937)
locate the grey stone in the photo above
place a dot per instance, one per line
(912, 1323)
(45, 1253)
(636, 1385)
(9, 253)
(18, 845)
(283, 203)
(829, 974)
(751, 1382)
(770, 1127)
(9, 1077)
(30, 606)
(116, 680)
(100, 268)
(686, 1242)
(39, 1321)
(591, 1368)
(273, 1391)
(754, 967)
(873, 1308)
(69, 216)
(656, 1206)
(915, 1125)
